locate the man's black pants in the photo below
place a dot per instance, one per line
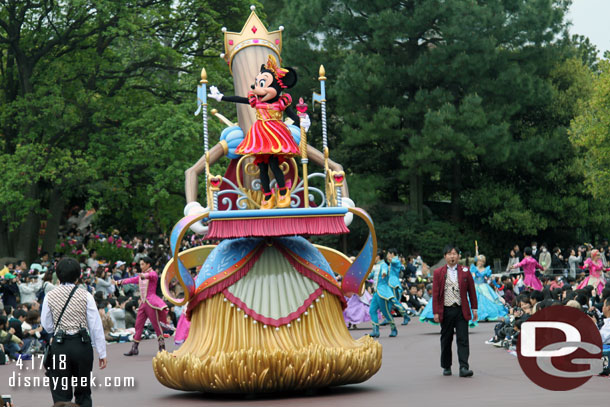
(453, 320)
(78, 362)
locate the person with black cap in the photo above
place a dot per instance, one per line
(71, 315)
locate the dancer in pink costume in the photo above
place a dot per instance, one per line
(529, 265)
(151, 306)
(596, 277)
(182, 330)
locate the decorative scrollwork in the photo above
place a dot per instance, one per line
(300, 188)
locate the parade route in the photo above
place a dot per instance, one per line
(410, 375)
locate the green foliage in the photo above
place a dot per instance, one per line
(590, 131)
(475, 98)
(97, 100)
(111, 252)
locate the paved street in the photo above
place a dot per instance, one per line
(410, 375)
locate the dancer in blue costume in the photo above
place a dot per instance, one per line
(394, 283)
(491, 307)
(384, 298)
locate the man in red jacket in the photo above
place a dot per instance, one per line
(452, 287)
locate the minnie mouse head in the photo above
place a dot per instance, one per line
(272, 79)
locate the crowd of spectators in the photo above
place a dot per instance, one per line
(23, 288)
(561, 261)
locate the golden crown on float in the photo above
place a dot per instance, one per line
(253, 33)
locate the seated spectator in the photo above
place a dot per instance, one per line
(556, 283)
(605, 329)
(130, 313)
(412, 301)
(428, 292)
(117, 312)
(509, 294)
(11, 343)
(17, 321)
(535, 298)
(574, 304)
(32, 332)
(106, 320)
(420, 296)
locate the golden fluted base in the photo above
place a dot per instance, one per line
(227, 353)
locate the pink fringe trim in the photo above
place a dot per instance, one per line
(270, 321)
(312, 225)
(227, 282)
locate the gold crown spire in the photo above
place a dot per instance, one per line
(253, 33)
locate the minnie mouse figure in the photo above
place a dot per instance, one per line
(269, 139)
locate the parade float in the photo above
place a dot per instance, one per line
(266, 304)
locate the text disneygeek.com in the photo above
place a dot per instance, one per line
(65, 383)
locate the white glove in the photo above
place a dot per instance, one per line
(305, 122)
(348, 203)
(195, 208)
(215, 93)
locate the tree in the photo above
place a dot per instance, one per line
(461, 105)
(77, 79)
(590, 131)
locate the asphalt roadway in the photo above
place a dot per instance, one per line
(410, 376)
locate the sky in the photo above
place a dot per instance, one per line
(591, 19)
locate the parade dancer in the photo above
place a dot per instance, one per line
(529, 265)
(596, 277)
(394, 282)
(491, 307)
(384, 298)
(152, 307)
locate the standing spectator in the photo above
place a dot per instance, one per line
(91, 261)
(545, 259)
(512, 260)
(410, 270)
(28, 290)
(557, 262)
(76, 346)
(141, 253)
(22, 267)
(535, 251)
(574, 261)
(518, 254)
(9, 290)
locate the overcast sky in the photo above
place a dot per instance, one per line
(591, 18)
